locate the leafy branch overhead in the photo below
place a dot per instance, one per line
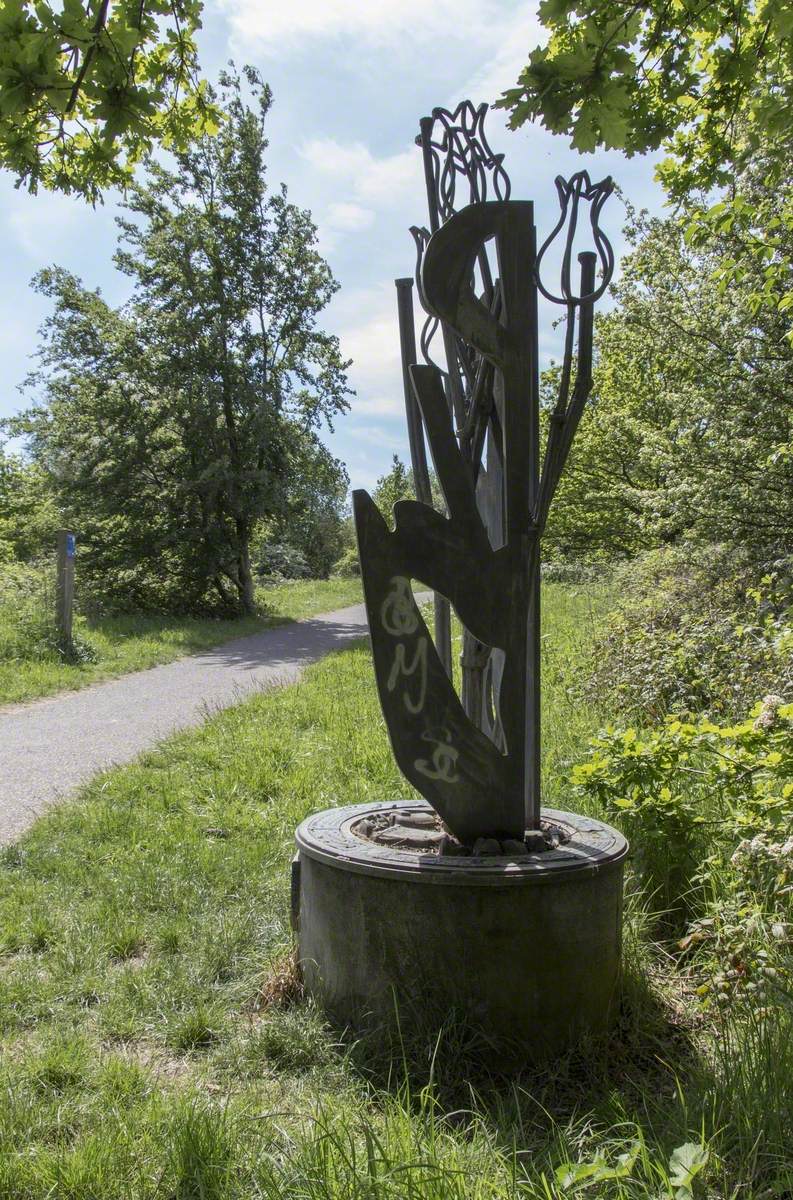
(713, 79)
(88, 88)
(710, 81)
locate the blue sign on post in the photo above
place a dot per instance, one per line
(71, 543)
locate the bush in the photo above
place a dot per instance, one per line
(27, 616)
(709, 812)
(696, 631)
(349, 565)
(27, 600)
(280, 560)
(573, 571)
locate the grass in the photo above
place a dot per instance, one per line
(155, 1044)
(31, 667)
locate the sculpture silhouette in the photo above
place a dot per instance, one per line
(477, 759)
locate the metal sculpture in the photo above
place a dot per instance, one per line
(476, 758)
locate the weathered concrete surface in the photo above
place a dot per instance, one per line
(50, 746)
(526, 951)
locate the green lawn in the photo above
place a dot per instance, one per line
(154, 1045)
(133, 642)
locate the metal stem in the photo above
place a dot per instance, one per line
(418, 453)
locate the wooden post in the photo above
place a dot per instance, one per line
(64, 591)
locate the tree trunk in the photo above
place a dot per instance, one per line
(247, 598)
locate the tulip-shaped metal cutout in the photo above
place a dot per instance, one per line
(484, 555)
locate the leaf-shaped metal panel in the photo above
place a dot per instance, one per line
(455, 766)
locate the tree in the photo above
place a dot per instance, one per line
(28, 513)
(88, 88)
(395, 485)
(599, 512)
(711, 81)
(691, 418)
(312, 521)
(169, 426)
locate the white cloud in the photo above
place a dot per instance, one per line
(378, 435)
(366, 322)
(517, 37)
(273, 25)
(349, 218)
(375, 181)
(386, 405)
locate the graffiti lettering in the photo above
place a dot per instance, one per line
(398, 613)
(444, 758)
(400, 667)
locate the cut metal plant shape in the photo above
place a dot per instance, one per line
(476, 757)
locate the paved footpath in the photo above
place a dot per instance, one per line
(48, 747)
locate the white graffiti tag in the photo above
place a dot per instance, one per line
(398, 612)
(400, 667)
(444, 758)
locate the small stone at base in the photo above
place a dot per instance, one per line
(403, 835)
(417, 820)
(535, 841)
(451, 848)
(513, 847)
(486, 847)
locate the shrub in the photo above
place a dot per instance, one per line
(280, 560)
(27, 616)
(710, 807)
(348, 566)
(695, 631)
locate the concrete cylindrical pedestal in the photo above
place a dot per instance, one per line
(526, 949)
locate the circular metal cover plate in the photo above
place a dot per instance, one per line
(328, 837)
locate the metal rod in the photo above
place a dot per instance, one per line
(564, 425)
(533, 770)
(407, 341)
(418, 453)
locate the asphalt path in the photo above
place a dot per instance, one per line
(49, 747)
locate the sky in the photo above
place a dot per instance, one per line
(351, 79)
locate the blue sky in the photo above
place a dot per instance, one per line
(351, 78)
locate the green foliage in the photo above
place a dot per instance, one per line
(690, 411)
(715, 78)
(638, 779)
(396, 485)
(281, 560)
(86, 89)
(312, 519)
(29, 516)
(171, 428)
(349, 565)
(712, 83)
(28, 632)
(677, 1178)
(709, 810)
(695, 630)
